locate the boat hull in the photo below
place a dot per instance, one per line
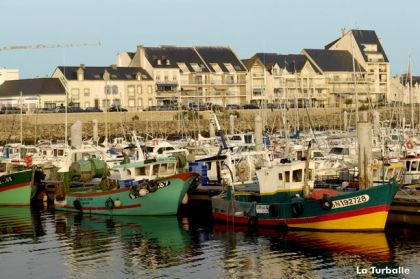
(363, 210)
(16, 188)
(164, 201)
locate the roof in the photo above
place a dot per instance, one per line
(334, 60)
(31, 87)
(220, 56)
(96, 73)
(368, 37)
(405, 79)
(292, 62)
(186, 55)
(131, 54)
(364, 37)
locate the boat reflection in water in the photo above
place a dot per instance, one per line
(311, 254)
(19, 222)
(140, 243)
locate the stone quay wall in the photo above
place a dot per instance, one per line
(162, 123)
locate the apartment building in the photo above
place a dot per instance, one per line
(404, 90)
(284, 79)
(367, 50)
(32, 93)
(102, 87)
(191, 74)
(345, 79)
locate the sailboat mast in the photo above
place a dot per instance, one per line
(411, 94)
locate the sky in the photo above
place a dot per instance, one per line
(246, 26)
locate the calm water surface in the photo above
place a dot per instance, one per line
(50, 244)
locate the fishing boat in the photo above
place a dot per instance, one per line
(150, 187)
(281, 201)
(17, 188)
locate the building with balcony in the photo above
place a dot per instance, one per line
(367, 50)
(32, 93)
(192, 74)
(102, 87)
(345, 79)
(284, 79)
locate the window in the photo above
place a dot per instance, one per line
(131, 90)
(107, 89)
(139, 89)
(140, 171)
(131, 102)
(229, 67)
(140, 103)
(280, 176)
(75, 94)
(183, 67)
(216, 67)
(155, 169)
(86, 92)
(287, 176)
(114, 89)
(149, 89)
(196, 67)
(297, 175)
(150, 102)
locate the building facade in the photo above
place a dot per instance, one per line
(102, 87)
(192, 74)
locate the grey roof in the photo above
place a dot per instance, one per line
(368, 37)
(154, 54)
(364, 37)
(32, 87)
(220, 55)
(405, 79)
(96, 73)
(292, 62)
(333, 60)
(131, 54)
(174, 55)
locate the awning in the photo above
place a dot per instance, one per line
(167, 84)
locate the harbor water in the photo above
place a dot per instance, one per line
(47, 244)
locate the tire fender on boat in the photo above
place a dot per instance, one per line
(77, 204)
(326, 203)
(297, 208)
(109, 204)
(273, 211)
(152, 186)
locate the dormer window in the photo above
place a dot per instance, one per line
(167, 62)
(159, 62)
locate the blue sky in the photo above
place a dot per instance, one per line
(247, 26)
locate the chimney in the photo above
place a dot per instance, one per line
(81, 72)
(141, 55)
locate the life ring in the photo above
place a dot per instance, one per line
(77, 204)
(297, 208)
(155, 142)
(109, 204)
(326, 203)
(409, 145)
(273, 211)
(152, 186)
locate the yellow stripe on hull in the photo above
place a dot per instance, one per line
(371, 221)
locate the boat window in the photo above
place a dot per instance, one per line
(297, 175)
(414, 165)
(140, 171)
(163, 169)
(280, 176)
(160, 150)
(155, 169)
(208, 164)
(248, 138)
(171, 168)
(407, 165)
(287, 176)
(336, 151)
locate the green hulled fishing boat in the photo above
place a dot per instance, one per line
(17, 188)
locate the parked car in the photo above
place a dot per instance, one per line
(233, 106)
(44, 110)
(116, 108)
(60, 109)
(93, 109)
(75, 109)
(10, 110)
(251, 106)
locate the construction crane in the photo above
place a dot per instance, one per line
(41, 46)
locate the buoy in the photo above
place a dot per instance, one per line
(143, 192)
(117, 203)
(185, 199)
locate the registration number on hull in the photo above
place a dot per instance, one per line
(350, 201)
